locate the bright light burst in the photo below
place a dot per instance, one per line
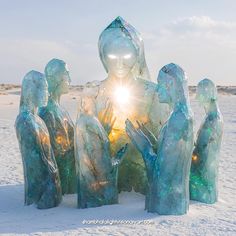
(122, 95)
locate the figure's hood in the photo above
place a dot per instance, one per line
(175, 71)
(30, 83)
(178, 75)
(207, 89)
(120, 28)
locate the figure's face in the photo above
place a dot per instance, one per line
(206, 91)
(204, 94)
(41, 94)
(120, 57)
(164, 89)
(200, 95)
(64, 81)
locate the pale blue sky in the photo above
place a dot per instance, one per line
(198, 35)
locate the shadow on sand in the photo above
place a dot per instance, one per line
(17, 218)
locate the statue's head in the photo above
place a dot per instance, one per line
(57, 76)
(87, 106)
(172, 84)
(121, 50)
(87, 101)
(206, 91)
(34, 90)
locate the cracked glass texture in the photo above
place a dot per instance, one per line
(168, 158)
(97, 168)
(41, 177)
(59, 124)
(205, 159)
(132, 95)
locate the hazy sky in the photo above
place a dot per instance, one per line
(198, 35)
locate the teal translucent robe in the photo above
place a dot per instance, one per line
(42, 182)
(168, 158)
(205, 160)
(97, 170)
(61, 130)
(168, 169)
(143, 104)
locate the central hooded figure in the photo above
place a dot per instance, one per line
(131, 95)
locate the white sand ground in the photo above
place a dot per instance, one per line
(202, 219)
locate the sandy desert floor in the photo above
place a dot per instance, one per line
(202, 219)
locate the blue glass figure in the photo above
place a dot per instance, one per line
(42, 182)
(132, 95)
(168, 161)
(59, 123)
(205, 159)
(97, 169)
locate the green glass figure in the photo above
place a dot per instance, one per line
(41, 176)
(168, 160)
(97, 169)
(59, 123)
(132, 95)
(205, 159)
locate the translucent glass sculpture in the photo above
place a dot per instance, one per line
(131, 94)
(59, 123)
(205, 159)
(168, 160)
(97, 169)
(42, 182)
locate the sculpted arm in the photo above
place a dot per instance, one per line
(143, 144)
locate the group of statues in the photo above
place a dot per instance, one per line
(130, 133)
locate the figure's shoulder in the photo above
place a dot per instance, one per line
(180, 124)
(43, 111)
(46, 113)
(213, 121)
(24, 119)
(180, 119)
(25, 123)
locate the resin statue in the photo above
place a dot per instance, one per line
(131, 94)
(42, 181)
(168, 161)
(97, 169)
(205, 159)
(59, 123)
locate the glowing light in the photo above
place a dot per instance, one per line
(194, 157)
(99, 184)
(111, 56)
(59, 139)
(45, 138)
(122, 95)
(63, 142)
(128, 56)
